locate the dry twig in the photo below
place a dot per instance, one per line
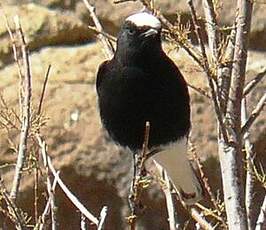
(261, 222)
(26, 113)
(249, 167)
(13, 211)
(48, 184)
(206, 184)
(108, 47)
(102, 217)
(252, 84)
(68, 193)
(47, 207)
(137, 181)
(200, 219)
(254, 114)
(209, 75)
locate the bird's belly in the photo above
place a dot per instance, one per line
(124, 117)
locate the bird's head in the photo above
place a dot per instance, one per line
(140, 33)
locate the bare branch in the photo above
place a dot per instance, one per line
(108, 36)
(47, 206)
(13, 210)
(231, 154)
(19, 68)
(249, 167)
(208, 72)
(68, 193)
(200, 219)
(43, 89)
(211, 25)
(199, 90)
(254, 114)
(49, 185)
(26, 110)
(252, 84)
(173, 221)
(261, 222)
(207, 187)
(108, 47)
(169, 203)
(83, 222)
(102, 218)
(137, 183)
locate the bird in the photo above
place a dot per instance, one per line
(140, 84)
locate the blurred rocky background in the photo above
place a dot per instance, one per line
(95, 170)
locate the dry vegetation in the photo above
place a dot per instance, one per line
(224, 65)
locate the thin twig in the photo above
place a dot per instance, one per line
(47, 206)
(249, 192)
(83, 222)
(25, 126)
(199, 90)
(254, 114)
(207, 186)
(200, 219)
(68, 193)
(13, 210)
(107, 35)
(261, 222)
(43, 89)
(49, 185)
(137, 183)
(102, 218)
(15, 54)
(252, 84)
(206, 67)
(36, 189)
(108, 47)
(173, 222)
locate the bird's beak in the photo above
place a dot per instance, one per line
(149, 32)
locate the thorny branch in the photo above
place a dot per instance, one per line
(206, 184)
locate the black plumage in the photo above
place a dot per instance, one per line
(141, 83)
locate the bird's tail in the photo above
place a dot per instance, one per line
(175, 161)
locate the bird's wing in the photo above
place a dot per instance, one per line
(101, 73)
(175, 161)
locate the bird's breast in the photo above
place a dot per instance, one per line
(132, 97)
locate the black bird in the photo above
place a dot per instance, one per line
(140, 83)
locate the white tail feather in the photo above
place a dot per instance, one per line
(175, 161)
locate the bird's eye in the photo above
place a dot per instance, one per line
(130, 31)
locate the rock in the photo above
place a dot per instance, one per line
(42, 27)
